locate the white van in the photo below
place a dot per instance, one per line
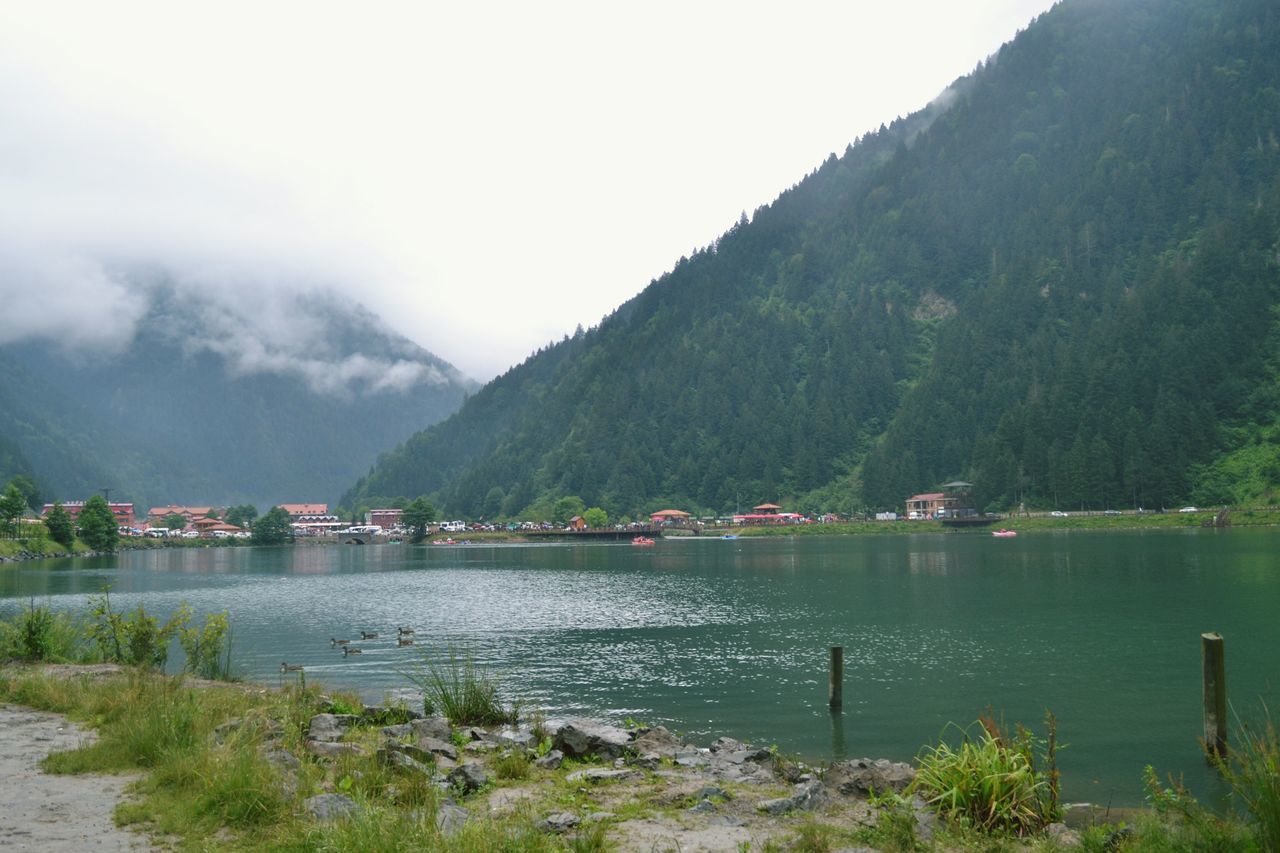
(454, 526)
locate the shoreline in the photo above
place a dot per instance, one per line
(641, 787)
(1038, 523)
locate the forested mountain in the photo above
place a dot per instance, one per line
(1059, 282)
(199, 410)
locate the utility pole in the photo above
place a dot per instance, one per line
(106, 494)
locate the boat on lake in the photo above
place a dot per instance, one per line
(1004, 534)
(729, 536)
(642, 540)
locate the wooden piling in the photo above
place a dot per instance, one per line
(1215, 695)
(835, 693)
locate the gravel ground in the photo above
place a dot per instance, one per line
(39, 811)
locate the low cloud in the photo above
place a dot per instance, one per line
(101, 222)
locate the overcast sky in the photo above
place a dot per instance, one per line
(485, 176)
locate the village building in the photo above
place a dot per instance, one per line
(384, 519)
(577, 523)
(928, 504)
(122, 511)
(157, 514)
(768, 514)
(673, 517)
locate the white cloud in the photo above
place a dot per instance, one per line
(486, 176)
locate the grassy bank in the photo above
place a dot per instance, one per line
(227, 766)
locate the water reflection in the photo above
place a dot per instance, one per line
(720, 637)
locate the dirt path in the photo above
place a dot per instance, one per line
(43, 812)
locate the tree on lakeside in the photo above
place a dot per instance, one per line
(98, 526)
(62, 529)
(273, 528)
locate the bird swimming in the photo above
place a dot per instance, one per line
(368, 635)
(290, 667)
(351, 650)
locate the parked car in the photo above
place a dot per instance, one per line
(1189, 509)
(1057, 513)
(1111, 512)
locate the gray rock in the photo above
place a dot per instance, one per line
(479, 747)
(648, 761)
(331, 807)
(521, 738)
(282, 759)
(658, 741)
(416, 752)
(400, 732)
(469, 777)
(742, 756)
(709, 791)
(325, 749)
(330, 727)
(559, 822)
(436, 727)
(580, 738)
(600, 774)
(862, 776)
(726, 744)
(450, 818)
(691, 758)
(807, 796)
(550, 761)
(703, 807)
(401, 761)
(1060, 833)
(438, 747)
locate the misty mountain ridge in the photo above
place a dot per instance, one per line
(1058, 282)
(218, 397)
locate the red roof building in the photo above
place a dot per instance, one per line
(928, 504)
(122, 511)
(296, 511)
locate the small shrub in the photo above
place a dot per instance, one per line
(136, 638)
(208, 649)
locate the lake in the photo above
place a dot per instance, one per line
(712, 637)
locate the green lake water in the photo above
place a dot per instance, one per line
(713, 637)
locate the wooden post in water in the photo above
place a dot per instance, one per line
(835, 692)
(1215, 695)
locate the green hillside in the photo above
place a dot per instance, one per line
(1059, 283)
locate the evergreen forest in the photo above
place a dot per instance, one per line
(1058, 282)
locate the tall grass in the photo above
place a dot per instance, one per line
(1252, 769)
(991, 783)
(461, 691)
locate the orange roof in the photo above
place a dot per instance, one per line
(767, 506)
(305, 509)
(162, 511)
(931, 496)
(669, 513)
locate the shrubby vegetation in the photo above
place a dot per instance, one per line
(1058, 286)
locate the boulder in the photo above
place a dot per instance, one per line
(436, 727)
(550, 761)
(659, 741)
(691, 758)
(648, 761)
(862, 776)
(559, 822)
(450, 818)
(580, 738)
(417, 753)
(521, 738)
(400, 732)
(400, 761)
(325, 749)
(438, 747)
(330, 727)
(331, 807)
(469, 777)
(726, 744)
(806, 797)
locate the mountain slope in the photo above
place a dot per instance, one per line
(1058, 282)
(198, 409)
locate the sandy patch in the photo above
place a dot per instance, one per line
(44, 812)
